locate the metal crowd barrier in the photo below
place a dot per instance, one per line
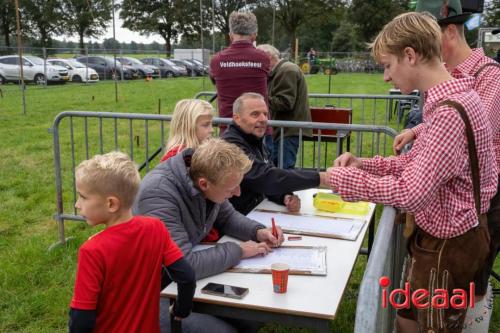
(78, 135)
(365, 108)
(386, 259)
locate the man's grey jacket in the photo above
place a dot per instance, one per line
(167, 192)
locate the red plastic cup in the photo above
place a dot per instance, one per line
(280, 277)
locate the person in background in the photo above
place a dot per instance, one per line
(264, 179)
(241, 67)
(288, 100)
(311, 56)
(191, 124)
(117, 286)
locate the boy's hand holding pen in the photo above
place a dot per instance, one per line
(272, 236)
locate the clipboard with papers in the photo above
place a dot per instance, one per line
(302, 260)
(304, 224)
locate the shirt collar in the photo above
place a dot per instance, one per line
(250, 138)
(468, 66)
(242, 43)
(278, 65)
(446, 89)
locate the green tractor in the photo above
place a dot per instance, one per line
(326, 66)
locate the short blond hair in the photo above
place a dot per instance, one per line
(110, 174)
(183, 124)
(420, 31)
(216, 159)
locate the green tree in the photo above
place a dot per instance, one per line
(371, 16)
(87, 18)
(42, 19)
(222, 9)
(294, 13)
(346, 38)
(7, 20)
(167, 18)
(318, 31)
(492, 14)
(110, 44)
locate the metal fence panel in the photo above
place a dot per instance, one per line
(386, 259)
(385, 110)
(78, 135)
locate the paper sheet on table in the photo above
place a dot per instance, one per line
(310, 260)
(331, 227)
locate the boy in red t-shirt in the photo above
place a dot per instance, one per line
(117, 286)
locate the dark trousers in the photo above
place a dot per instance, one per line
(494, 229)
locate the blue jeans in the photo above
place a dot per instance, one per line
(195, 322)
(290, 148)
(201, 323)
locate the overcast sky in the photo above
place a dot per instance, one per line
(122, 35)
(126, 36)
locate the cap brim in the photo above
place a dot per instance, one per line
(455, 19)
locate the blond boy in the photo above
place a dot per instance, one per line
(117, 284)
(433, 182)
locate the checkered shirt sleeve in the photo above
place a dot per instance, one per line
(433, 181)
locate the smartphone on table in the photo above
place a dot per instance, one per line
(224, 290)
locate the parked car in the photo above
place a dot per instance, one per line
(190, 68)
(105, 67)
(142, 69)
(198, 65)
(34, 69)
(206, 68)
(78, 72)
(167, 67)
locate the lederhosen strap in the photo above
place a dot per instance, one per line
(494, 64)
(473, 158)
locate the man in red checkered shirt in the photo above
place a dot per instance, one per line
(433, 181)
(462, 61)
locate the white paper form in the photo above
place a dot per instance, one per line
(301, 260)
(332, 227)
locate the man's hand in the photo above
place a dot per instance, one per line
(348, 160)
(292, 203)
(324, 180)
(251, 248)
(266, 236)
(406, 136)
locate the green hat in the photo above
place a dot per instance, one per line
(445, 11)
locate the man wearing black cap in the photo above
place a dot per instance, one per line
(463, 61)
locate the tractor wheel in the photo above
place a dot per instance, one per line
(305, 67)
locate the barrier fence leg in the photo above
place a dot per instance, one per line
(62, 239)
(371, 234)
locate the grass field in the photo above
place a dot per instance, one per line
(36, 285)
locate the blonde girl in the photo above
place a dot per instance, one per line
(191, 125)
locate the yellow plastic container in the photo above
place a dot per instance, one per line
(333, 203)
